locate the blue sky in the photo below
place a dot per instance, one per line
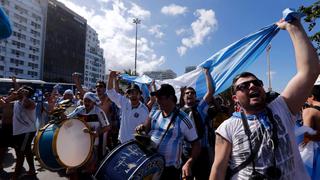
(174, 34)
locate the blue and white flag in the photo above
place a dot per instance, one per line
(5, 27)
(232, 60)
(142, 81)
(228, 62)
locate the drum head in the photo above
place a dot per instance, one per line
(73, 146)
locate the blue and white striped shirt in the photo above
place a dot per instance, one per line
(181, 129)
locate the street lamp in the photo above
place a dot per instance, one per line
(136, 21)
(269, 70)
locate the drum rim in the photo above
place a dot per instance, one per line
(54, 145)
(121, 146)
(36, 149)
(145, 161)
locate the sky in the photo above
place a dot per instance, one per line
(174, 34)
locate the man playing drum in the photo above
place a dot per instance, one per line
(96, 119)
(168, 128)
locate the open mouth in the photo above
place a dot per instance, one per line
(254, 95)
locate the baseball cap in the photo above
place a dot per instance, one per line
(165, 90)
(68, 91)
(132, 88)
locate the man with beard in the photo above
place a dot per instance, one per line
(98, 123)
(108, 107)
(198, 112)
(133, 111)
(259, 142)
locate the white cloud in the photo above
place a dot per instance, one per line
(156, 31)
(139, 12)
(181, 31)
(205, 23)
(115, 30)
(182, 50)
(174, 10)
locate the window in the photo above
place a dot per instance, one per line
(33, 57)
(35, 25)
(32, 65)
(18, 44)
(16, 71)
(20, 9)
(20, 18)
(17, 52)
(19, 26)
(32, 73)
(19, 35)
(36, 17)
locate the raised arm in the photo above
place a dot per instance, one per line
(112, 76)
(307, 62)
(116, 84)
(152, 99)
(77, 80)
(182, 92)
(15, 84)
(210, 89)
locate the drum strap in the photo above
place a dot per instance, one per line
(173, 118)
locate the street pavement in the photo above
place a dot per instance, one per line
(43, 174)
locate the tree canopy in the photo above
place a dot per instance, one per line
(312, 13)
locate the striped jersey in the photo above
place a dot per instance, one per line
(182, 128)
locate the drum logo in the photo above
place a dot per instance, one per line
(136, 115)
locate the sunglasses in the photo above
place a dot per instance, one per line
(245, 85)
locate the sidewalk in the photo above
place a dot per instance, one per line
(43, 174)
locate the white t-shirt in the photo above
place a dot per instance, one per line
(130, 117)
(23, 119)
(288, 158)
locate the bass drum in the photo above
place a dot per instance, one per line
(131, 161)
(63, 145)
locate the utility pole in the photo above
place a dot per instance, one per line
(269, 69)
(136, 21)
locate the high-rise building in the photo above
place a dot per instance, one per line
(65, 43)
(21, 53)
(95, 63)
(161, 75)
(190, 68)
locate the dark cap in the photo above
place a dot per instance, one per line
(133, 87)
(165, 90)
(101, 83)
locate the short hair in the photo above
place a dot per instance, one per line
(101, 83)
(241, 75)
(29, 89)
(192, 89)
(316, 92)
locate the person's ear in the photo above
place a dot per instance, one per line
(235, 99)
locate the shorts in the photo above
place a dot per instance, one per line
(6, 136)
(23, 141)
